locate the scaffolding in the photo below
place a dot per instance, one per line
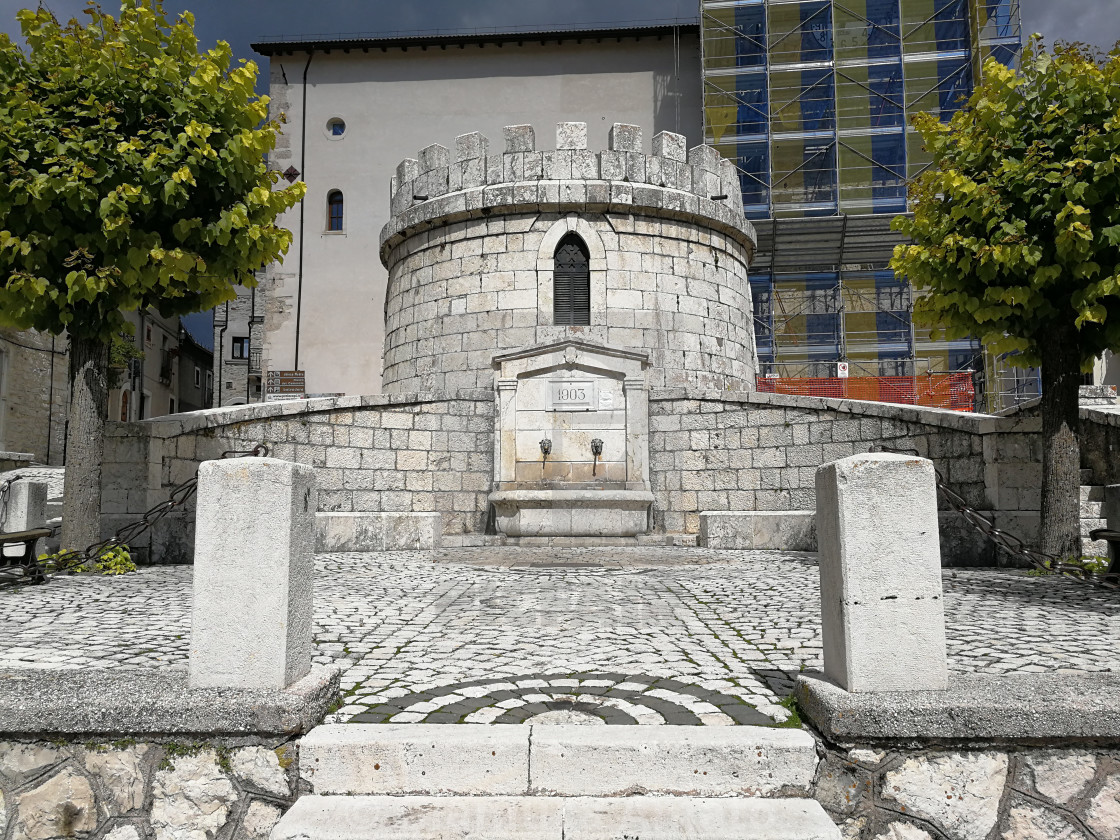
(811, 99)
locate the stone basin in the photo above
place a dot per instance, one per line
(572, 513)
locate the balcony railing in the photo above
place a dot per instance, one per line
(255, 360)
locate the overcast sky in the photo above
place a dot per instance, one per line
(243, 21)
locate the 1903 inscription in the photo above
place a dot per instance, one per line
(574, 395)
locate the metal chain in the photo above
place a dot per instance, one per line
(69, 562)
(984, 522)
(5, 494)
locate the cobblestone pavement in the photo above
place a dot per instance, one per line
(632, 635)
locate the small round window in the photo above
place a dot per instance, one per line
(336, 127)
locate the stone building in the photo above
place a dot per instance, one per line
(172, 376)
(572, 280)
(478, 250)
(33, 397)
(354, 108)
(238, 332)
(159, 382)
(196, 372)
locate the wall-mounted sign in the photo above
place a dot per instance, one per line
(842, 370)
(574, 395)
(284, 385)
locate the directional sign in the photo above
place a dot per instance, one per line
(284, 385)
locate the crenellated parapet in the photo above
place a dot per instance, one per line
(673, 182)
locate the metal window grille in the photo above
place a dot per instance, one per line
(334, 210)
(571, 283)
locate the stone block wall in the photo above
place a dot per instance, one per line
(468, 290)
(1100, 444)
(713, 451)
(33, 393)
(939, 793)
(709, 451)
(226, 789)
(407, 452)
(470, 251)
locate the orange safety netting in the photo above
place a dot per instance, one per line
(940, 390)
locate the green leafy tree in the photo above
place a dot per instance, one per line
(132, 174)
(1016, 238)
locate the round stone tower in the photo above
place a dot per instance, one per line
(494, 253)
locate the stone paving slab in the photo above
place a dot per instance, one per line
(643, 635)
(38, 702)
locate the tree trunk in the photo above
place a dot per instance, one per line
(1060, 532)
(85, 442)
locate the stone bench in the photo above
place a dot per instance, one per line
(23, 564)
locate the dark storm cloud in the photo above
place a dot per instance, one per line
(242, 21)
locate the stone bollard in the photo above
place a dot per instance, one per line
(882, 611)
(253, 569)
(26, 507)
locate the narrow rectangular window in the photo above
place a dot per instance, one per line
(571, 283)
(334, 210)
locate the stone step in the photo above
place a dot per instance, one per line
(492, 540)
(557, 760)
(1091, 548)
(569, 542)
(1092, 492)
(1091, 524)
(552, 818)
(1091, 510)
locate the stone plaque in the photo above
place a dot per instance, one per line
(574, 395)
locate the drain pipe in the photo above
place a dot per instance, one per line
(50, 403)
(303, 202)
(221, 349)
(252, 319)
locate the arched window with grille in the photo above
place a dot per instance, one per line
(571, 283)
(334, 210)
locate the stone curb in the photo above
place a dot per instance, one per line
(212, 418)
(1020, 708)
(46, 703)
(970, 422)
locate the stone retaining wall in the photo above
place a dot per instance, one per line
(1100, 444)
(1056, 793)
(709, 451)
(237, 789)
(223, 789)
(716, 451)
(400, 453)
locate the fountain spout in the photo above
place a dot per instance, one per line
(596, 451)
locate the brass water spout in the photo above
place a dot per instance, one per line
(546, 448)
